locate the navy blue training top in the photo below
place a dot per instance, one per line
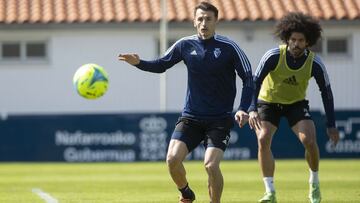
(269, 62)
(211, 65)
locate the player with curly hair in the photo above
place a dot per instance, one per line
(281, 80)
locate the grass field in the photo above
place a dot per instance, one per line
(149, 182)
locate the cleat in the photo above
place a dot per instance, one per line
(314, 193)
(269, 197)
(182, 200)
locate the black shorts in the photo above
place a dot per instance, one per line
(213, 133)
(294, 113)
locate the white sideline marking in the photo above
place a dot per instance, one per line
(45, 196)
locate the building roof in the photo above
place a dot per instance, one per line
(116, 11)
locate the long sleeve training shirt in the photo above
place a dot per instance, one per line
(269, 62)
(211, 66)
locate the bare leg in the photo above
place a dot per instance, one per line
(176, 155)
(212, 160)
(305, 130)
(265, 156)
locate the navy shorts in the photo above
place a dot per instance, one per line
(294, 113)
(213, 133)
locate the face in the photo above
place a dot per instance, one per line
(297, 44)
(205, 23)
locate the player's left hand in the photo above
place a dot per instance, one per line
(333, 134)
(241, 117)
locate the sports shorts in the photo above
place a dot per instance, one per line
(213, 133)
(294, 113)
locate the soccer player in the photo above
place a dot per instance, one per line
(212, 62)
(281, 81)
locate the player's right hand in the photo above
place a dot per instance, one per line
(241, 117)
(132, 59)
(254, 120)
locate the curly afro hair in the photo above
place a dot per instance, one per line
(298, 22)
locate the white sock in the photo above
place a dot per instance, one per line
(314, 177)
(269, 184)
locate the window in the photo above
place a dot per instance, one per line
(10, 50)
(337, 46)
(333, 46)
(22, 51)
(35, 49)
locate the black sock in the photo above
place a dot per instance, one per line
(182, 190)
(186, 192)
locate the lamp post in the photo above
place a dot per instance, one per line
(163, 47)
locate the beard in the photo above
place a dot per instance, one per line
(296, 51)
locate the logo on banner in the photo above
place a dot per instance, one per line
(96, 146)
(349, 137)
(153, 142)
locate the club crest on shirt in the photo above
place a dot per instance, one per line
(217, 52)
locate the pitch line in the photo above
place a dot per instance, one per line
(45, 196)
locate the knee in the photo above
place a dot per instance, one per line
(212, 168)
(172, 160)
(308, 141)
(264, 139)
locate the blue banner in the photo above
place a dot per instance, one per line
(145, 137)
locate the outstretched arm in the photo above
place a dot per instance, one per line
(160, 65)
(154, 66)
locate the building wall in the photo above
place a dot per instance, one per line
(344, 71)
(46, 87)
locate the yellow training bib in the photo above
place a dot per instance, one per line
(284, 85)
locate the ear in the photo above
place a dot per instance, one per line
(194, 22)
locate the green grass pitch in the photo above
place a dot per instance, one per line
(148, 182)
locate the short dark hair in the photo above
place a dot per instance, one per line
(298, 22)
(206, 6)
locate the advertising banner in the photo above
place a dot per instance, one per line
(145, 137)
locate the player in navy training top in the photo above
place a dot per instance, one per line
(281, 81)
(212, 62)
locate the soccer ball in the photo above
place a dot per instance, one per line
(91, 81)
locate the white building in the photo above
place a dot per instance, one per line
(41, 51)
